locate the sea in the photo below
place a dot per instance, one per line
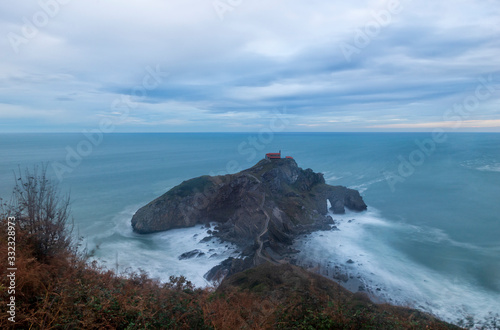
(430, 238)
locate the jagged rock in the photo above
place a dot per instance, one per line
(271, 202)
(191, 254)
(228, 267)
(338, 206)
(206, 239)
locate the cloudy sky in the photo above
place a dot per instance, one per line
(234, 65)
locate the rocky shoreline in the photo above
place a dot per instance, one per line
(261, 210)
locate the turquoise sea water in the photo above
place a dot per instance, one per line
(429, 239)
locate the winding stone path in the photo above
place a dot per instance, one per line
(258, 253)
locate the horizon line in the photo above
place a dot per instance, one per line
(253, 132)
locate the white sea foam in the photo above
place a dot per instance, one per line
(389, 275)
(490, 168)
(364, 186)
(332, 178)
(158, 254)
(439, 236)
(482, 165)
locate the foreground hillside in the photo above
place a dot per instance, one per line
(62, 291)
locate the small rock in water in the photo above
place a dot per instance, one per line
(206, 239)
(191, 254)
(350, 261)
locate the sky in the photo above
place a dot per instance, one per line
(241, 65)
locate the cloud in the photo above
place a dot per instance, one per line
(493, 123)
(232, 73)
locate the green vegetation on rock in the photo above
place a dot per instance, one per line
(196, 185)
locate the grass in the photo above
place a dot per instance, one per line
(303, 300)
(187, 188)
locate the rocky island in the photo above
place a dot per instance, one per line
(260, 209)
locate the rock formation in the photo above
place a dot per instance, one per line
(260, 209)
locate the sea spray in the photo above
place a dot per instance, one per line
(158, 254)
(360, 255)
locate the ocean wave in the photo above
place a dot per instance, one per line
(332, 178)
(364, 186)
(427, 234)
(158, 254)
(490, 168)
(362, 249)
(482, 165)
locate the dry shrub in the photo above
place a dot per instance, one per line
(41, 211)
(238, 310)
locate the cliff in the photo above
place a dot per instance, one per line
(260, 209)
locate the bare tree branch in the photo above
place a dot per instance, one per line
(41, 210)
